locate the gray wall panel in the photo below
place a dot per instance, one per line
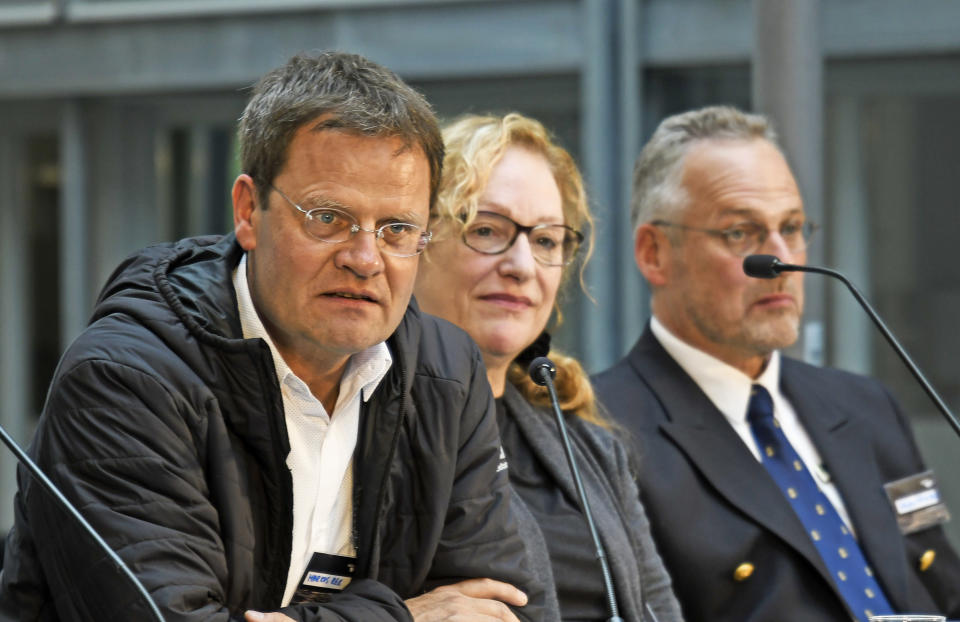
(224, 52)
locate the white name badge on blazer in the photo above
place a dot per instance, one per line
(916, 502)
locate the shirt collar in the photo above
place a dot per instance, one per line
(726, 386)
(363, 372)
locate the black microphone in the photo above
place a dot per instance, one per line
(762, 266)
(769, 267)
(51, 488)
(542, 371)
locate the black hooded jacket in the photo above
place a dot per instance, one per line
(166, 429)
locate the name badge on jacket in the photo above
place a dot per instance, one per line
(916, 502)
(325, 575)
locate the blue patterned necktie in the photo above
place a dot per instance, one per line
(837, 546)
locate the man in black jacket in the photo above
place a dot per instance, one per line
(265, 421)
(763, 477)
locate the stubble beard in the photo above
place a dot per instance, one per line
(752, 336)
(773, 333)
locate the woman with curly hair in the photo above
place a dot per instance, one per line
(508, 230)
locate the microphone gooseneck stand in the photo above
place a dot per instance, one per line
(542, 372)
(51, 488)
(769, 267)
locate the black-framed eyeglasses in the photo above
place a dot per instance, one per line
(551, 245)
(746, 238)
(332, 225)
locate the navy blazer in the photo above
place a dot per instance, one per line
(713, 507)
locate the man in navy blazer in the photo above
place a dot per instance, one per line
(711, 187)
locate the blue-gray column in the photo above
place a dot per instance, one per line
(74, 222)
(788, 87)
(850, 332)
(610, 108)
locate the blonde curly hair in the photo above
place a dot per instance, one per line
(474, 144)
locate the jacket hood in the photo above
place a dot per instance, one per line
(177, 277)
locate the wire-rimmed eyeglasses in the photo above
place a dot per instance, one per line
(332, 225)
(746, 238)
(551, 245)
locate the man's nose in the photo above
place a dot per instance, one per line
(776, 244)
(361, 253)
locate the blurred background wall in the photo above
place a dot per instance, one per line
(117, 126)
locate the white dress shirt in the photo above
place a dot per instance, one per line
(321, 445)
(729, 390)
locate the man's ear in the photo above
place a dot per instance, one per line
(244, 196)
(651, 251)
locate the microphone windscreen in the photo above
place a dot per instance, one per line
(761, 266)
(536, 370)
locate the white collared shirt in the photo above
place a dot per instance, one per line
(729, 390)
(321, 446)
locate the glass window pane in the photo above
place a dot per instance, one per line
(674, 90)
(198, 175)
(43, 195)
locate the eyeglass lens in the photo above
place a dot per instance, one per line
(332, 225)
(748, 238)
(552, 245)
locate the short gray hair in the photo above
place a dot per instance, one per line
(657, 176)
(355, 94)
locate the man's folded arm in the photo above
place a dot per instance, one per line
(480, 536)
